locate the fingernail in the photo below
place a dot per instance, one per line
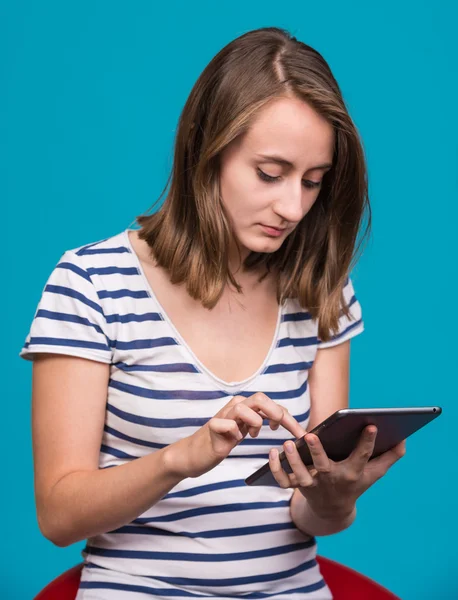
(289, 448)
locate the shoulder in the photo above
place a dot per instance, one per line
(100, 251)
(115, 244)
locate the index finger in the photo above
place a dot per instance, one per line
(276, 413)
(292, 425)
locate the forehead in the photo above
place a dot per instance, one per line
(293, 129)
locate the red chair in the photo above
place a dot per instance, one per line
(344, 583)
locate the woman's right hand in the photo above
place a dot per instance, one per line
(212, 443)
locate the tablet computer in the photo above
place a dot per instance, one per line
(340, 433)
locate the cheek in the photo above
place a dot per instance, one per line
(241, 193)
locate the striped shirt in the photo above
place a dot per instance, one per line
(211, 536)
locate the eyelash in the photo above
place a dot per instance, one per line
(269, 179)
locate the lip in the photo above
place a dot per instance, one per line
(272, 231)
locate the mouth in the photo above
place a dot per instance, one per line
(273, 227)
(272, 231)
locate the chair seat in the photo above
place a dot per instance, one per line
(344, 583)
(347, 584)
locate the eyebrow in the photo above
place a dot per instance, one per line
(282, 161)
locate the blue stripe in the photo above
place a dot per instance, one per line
(119, 454)
(200, 557)
(141, 589)
(71, 267)
(299, 342)
(350, 304)
(177, 593)
(167, 368)
(124, 293)
(152, 422)
(209, 487)
(234, 455)
(153, 394)
(298, 316)
(113, 271)
(172, 423)
(49, 341)
(70, 318)
(264, 456)
(305, 566)
(247, 442)
(87, 246)
(345, 331)
(115, 452)
(128, 438)
(303, 417)
(142, 344)
(289, 394)
(88, 250)
(284, 368)
(211, 534)
(306, 316)
(134, 318)
(212, 510)
(262, 441)
(65, 291)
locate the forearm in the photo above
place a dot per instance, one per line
(86, 503)
(308, 522)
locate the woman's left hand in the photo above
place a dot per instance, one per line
(332, 488)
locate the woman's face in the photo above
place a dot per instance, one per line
(260, 191)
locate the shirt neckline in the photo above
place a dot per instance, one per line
(181, 341)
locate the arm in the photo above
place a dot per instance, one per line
(310, 524)
(74, 498)
(329, 387)
(77, 500)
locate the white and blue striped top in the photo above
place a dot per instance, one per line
(211, 536)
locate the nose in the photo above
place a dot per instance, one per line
(290, 206)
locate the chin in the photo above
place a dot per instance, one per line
(264, 245)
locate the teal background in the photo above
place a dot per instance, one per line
(90, 97)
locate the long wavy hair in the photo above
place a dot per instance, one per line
(190, 234)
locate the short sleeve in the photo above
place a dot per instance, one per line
(69, 318)
(348, 327)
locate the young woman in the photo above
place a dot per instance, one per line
(169, 360)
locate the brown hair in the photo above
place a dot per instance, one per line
(190, 234)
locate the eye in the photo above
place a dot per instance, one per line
(269, 179)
